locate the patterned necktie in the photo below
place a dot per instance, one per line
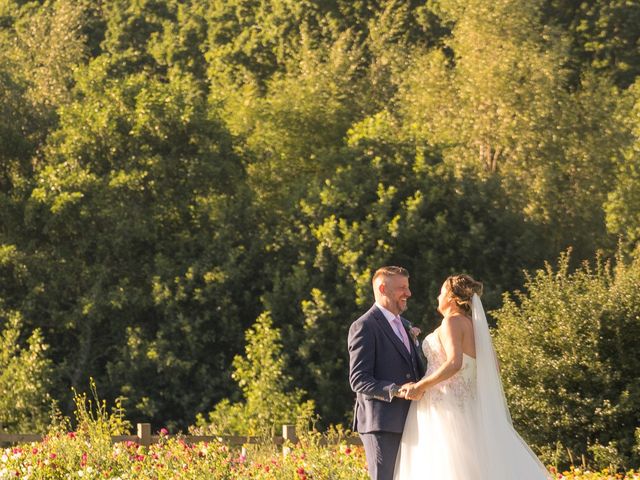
(401, 332)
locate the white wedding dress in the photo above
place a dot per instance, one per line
(461, 428)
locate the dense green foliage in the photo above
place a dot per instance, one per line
(171, 169)
(25, 374)
(571, 374)
(268, 399)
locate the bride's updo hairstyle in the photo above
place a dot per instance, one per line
(461, 288)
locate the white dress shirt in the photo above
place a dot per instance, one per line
(390, 318)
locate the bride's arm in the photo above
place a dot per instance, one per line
(450, 333)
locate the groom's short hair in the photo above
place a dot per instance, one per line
(390, 272)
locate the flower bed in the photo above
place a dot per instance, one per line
(586, 474)
(74, 456)
(71, 456)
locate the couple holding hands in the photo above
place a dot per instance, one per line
(436, 409)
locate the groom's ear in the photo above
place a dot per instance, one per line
(378, 286)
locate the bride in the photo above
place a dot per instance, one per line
(460, 428)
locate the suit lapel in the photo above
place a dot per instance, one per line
(412, 342)
(388, 330)
(415, 348)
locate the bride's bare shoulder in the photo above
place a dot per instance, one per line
(457, 320)
(455, 326)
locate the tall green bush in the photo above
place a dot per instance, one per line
(568, 352)
(25, 376)
(269, 402)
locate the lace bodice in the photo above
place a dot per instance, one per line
(461, 387)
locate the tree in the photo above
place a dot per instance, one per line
(25, 377)
(623, 204)
(294, 131)
(604, 36)
(50, 46)
(130, 28)
(262, 376)
(498, 101)
(249, 40)
(129, 233)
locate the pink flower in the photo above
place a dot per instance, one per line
(71, 434)
(164, 431)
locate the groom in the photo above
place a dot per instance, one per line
(383, 360)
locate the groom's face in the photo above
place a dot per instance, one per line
(396, 289)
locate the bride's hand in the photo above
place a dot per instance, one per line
(413, 392)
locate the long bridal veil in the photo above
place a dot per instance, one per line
(505, 455)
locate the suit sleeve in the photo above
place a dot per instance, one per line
(361, 364)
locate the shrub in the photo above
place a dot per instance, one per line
(25, 374)
(568, 353)
(268, 401)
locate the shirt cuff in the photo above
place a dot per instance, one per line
(393, 391)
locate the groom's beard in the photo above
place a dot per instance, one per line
(401, 306)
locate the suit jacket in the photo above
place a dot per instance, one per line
(377, 360)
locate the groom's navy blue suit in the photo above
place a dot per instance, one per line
(379, 360)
